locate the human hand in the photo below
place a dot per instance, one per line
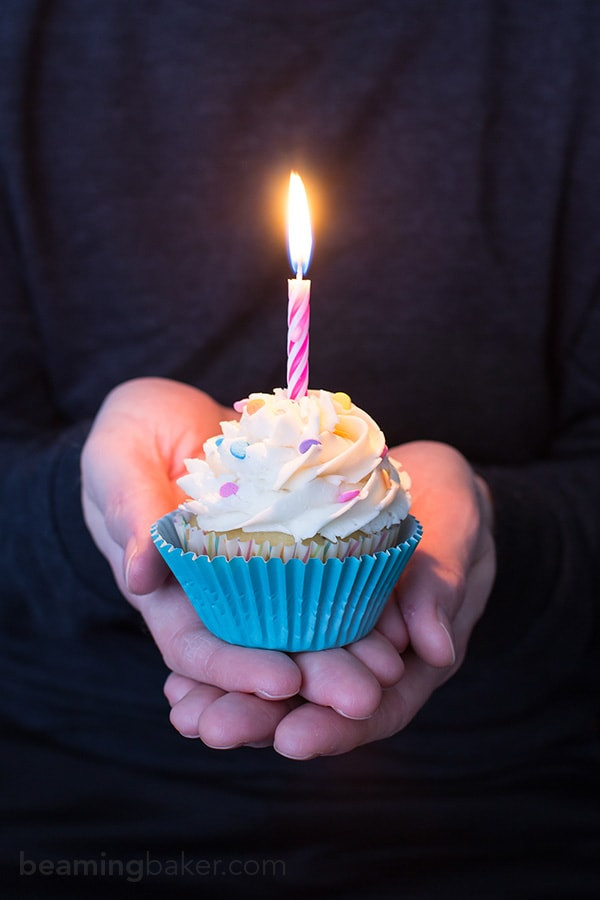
(429, 620)
(434, 608)
(130, 464)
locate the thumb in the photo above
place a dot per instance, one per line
(426, 593)
(124, 492)
(143, 567)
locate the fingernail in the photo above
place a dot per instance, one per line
(450, 641)
(222, 746)
(346, 715)
(296, 757)
(266, 696)
(128, 564)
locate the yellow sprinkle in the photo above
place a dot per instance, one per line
(386, 479)
(254, 405)
(343, 399)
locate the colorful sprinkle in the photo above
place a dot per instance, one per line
(254, 405)
(228, 489)
(342, 432)
(219, 441)
(347, 495)
(304, 446)
(240, 405)
(385, 451)
(343, 399)
(386, 479)
(238, 449)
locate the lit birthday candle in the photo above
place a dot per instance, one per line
(300, 246)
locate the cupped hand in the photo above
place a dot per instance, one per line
(225, 694)
(433, 610)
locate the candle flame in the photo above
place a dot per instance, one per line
(299, 229)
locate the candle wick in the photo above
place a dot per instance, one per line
(299, 272)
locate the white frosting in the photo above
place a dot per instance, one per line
(317, 465)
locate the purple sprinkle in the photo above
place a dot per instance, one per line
(228, 489)
(307, 444)
(238, 449)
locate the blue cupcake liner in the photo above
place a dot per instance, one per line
(291, 605)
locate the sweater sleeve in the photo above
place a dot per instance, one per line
(532, 667)
(53, 576)
(542, 617)
(541, 624)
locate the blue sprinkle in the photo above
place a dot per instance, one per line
(238, 449)
(219, 441)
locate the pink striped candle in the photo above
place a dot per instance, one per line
(300, 246)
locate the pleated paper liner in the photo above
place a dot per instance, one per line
(287, 605)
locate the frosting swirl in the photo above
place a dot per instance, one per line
(313, 466)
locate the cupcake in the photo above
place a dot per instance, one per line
(296, 525)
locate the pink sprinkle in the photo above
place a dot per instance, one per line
(347, 495)
(228, 489)
(240, 405)
(307, 444)
(385, 451)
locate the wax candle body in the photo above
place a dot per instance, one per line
(297, 346)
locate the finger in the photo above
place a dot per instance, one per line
(379, 655)
(185, 713)
(434, 594)
(309, 731)
(144, 571)
(391, 624)
(338, 679)
(177, 686)
(229, 724)
(189, 649)
(235, 719)
(121, 505)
